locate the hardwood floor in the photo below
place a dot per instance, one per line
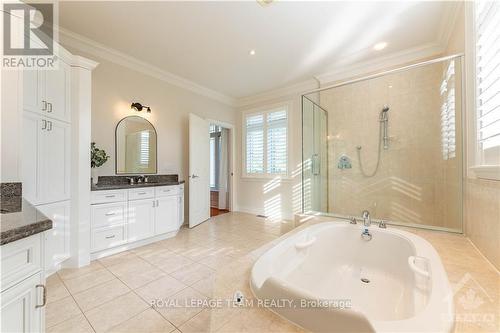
(216, 211)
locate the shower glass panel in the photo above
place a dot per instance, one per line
(314, 156)
(390, 144)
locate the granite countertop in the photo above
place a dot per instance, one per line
(122, 182)
(20, 219)
(102, 187)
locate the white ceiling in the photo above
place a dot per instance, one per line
(209, 42)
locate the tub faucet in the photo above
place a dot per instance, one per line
(367, 220)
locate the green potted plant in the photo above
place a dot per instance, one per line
(97, 158)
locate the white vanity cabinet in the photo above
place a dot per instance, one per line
(46, 92)
(56, 239)
(122, 219)
(23, 293)
(140, 219)
(46, 152)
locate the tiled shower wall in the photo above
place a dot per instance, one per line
(415, 183)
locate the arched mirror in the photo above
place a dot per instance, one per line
(135, 146)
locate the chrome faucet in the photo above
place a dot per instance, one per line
(367, 220)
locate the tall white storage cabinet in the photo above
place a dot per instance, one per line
(46, 164)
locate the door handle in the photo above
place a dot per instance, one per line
(44, 300)
(50, 107)
(195, 176)
(110, 214)
(50, 126)
(44, 124)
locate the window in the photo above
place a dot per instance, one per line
(447, 92)
(487, 86)
(266, 142)
(144, 148)
(215, 143)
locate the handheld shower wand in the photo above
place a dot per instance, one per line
(384, 119)
(383, 136)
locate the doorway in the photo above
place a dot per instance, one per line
(219, 170)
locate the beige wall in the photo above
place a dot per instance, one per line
(414, 184)
(482, 197)
(277, 197)
(115, 87)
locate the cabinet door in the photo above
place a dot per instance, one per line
(167, 214)
(19, 306)
(181, 205)
(32, 137)
(140, 218)
(56, 239)
(54, 160)
(56, 92)
(32, 92)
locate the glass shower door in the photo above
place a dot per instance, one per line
(315, 157)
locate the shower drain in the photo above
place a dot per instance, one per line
(365, 280)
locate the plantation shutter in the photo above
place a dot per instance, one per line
(277, 142)
(144, 148)
(254, 125)
(448, 140)
(488, 79)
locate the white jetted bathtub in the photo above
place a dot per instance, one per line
(329, 278)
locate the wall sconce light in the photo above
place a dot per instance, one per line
(139, 107)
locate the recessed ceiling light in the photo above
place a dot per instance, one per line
(251, 52)
(379, 46)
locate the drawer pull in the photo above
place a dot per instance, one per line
(110, 196)
(44, 301)
(49, 109)
(109, 237)
(141, 193)
(110, 213)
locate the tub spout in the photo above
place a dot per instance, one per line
(367, 220)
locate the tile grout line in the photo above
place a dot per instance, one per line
(78, 305)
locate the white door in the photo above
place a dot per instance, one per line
(54, 155)
(33, 129)
(22, 306)
(56, 95)
(57, 238)
(166, 214)
(32, 94)
(199, 170)
(141, 217)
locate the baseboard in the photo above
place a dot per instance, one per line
(130, 246)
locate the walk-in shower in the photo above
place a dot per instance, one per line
(390, 143)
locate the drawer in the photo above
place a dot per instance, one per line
(98, 197)
(141, 193)
(20, 259)
(162, 191)
(107, 238)
(106, 215)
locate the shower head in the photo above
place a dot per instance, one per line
(386, 108)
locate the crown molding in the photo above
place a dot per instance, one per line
(287, 91)
(82, 62)
(99, 50)
(448, 23)
(381, 63)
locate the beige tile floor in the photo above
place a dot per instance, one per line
(212, 261)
